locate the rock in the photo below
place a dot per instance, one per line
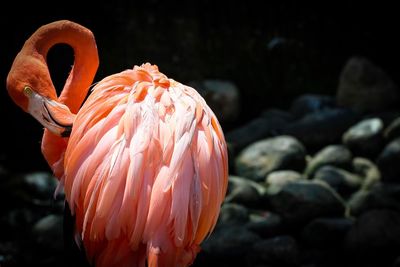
(386, 116)
(311, 103)
(365, 138)
(244, 191)
(326, 232)
(376, 236)
(222, 96)
(342, 181)
(335, 155)
(27, 189)
(278, 251)
(16, 222)
(392, 131)
(265, 223)
(319, 129)
(368, 170)
(380, 196)
(276, 179)
(282, 177)
(365, 87)
(8, 252)
(301, 201)
(48, 232)
(41, 184)
(230, 244)
(277, 114)
(388, 162)
(263, 157)
(267, 125)
(357, 202)
(233, 214)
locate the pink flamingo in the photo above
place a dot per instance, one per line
(143, 161)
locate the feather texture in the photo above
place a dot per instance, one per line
(145, 169)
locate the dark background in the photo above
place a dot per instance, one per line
(204, 40)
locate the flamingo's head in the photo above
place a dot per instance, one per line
(30, 86)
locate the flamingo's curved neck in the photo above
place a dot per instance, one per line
(85, 57)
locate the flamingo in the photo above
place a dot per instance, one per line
(142, 162)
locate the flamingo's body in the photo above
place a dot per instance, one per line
(145, 166)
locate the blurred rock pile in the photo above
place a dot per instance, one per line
(31, 220)
(315, 185)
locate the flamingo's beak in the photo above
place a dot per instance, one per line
(56, 117)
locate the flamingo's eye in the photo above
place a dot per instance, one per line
(27, 91)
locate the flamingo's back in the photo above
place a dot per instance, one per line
(145, 170)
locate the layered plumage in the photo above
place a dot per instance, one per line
(144, 169)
